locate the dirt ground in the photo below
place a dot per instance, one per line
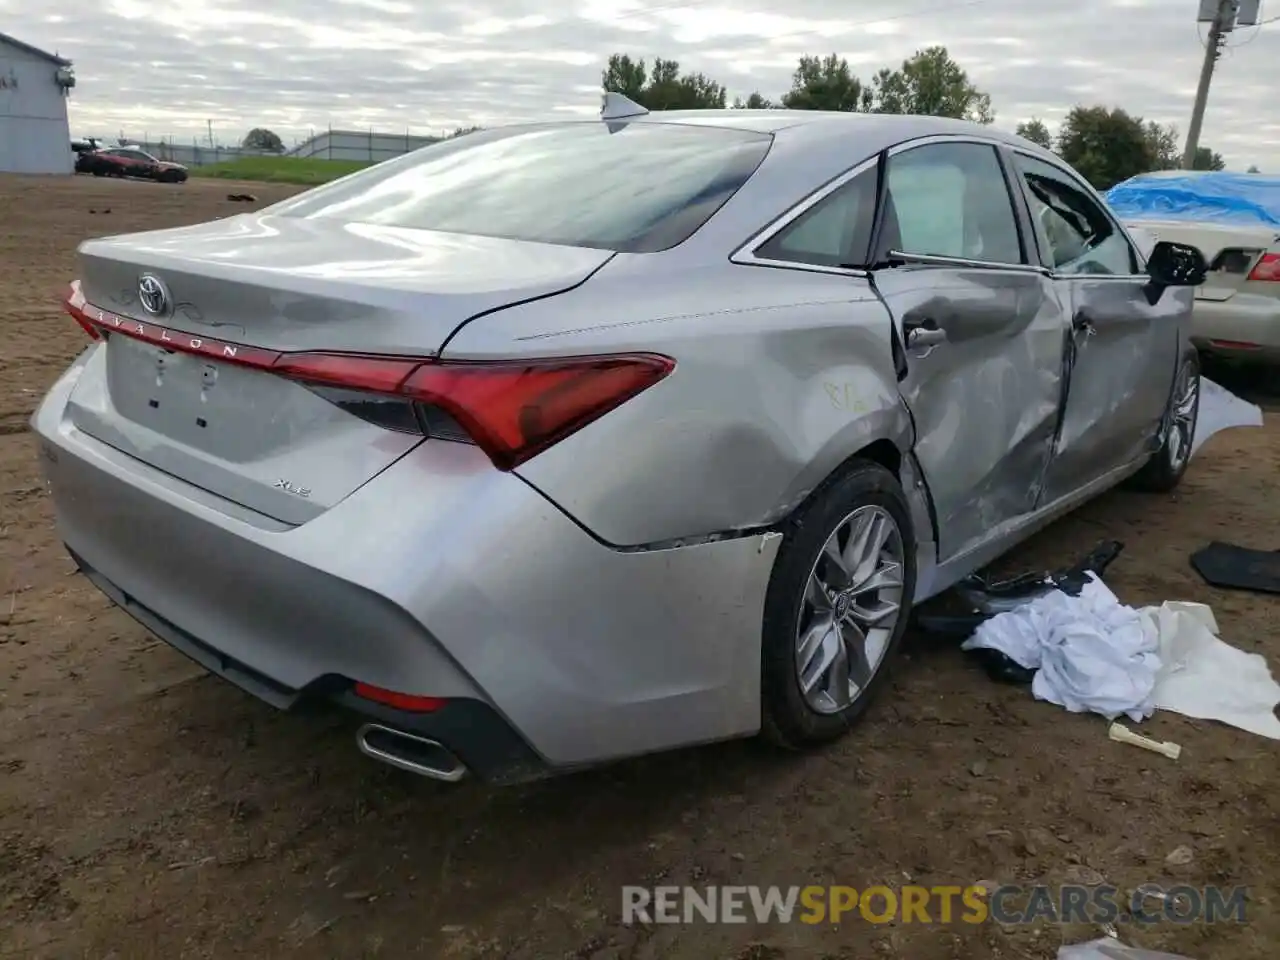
(148, 810)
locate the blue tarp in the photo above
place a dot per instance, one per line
(1246, 199)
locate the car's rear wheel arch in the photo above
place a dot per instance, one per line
(905, 470)
(865, 481)
(883, 452)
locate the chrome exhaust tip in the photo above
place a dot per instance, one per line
(420, 755)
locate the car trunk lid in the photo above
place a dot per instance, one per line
(172, 388)
(1231, 251)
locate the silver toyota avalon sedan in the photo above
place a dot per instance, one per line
(566, 442)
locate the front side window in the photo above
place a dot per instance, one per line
(1077, 234)
(633, 187)
(951, 200)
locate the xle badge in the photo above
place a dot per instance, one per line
(288, 487)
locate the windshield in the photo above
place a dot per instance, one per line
(633, 187)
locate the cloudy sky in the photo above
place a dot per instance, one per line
(427, 66)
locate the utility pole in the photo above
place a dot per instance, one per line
(1224, 17)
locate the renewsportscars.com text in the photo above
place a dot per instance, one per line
(1149, 904)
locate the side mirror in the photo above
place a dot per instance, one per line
(1174, 265)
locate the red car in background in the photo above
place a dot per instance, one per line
(129, 162)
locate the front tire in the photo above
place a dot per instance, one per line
(837, 606)
(1164, 471)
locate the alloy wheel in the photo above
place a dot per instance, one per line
(851, 606)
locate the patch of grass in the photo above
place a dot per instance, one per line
(309, 170)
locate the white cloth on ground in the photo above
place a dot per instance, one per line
(1203, 677)
(1092, 653)
(1220, 409)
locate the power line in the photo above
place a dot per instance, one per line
(910, 14)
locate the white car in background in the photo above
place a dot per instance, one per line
(1237, 309)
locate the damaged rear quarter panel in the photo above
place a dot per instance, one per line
(781, 375)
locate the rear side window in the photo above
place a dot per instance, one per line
(834, 232)
(636, 187)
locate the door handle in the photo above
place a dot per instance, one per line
(1082, 323)
(924, 333)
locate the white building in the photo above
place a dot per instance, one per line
(34, 134)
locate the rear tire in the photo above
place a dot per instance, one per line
(1164, 471)
(810, 592)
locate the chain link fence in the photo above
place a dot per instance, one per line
(351, 145)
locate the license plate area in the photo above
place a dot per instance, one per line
(221, 408)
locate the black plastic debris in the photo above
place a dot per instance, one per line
(1238, 568)
(997, 596)
(984, 598)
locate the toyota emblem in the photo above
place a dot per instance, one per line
(153, 294)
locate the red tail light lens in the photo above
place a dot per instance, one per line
(516, 410)
(1267, 269)
(74, 303)
(511, 409)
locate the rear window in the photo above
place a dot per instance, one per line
(636, 187)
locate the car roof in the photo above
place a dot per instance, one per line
(877, 130)
(810, 148)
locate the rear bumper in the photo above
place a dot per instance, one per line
(441, 577)
(473, 731)
(1245, 327)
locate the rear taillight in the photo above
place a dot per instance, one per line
(75, 303)
(1267, 269)
(511, 409)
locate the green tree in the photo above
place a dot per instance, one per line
(1035, 131)
(1253, 169)
(930, 84)
(663, 87)
(260, 138)
(625, 76)
(1166, 150)
(1207, 159)
(756, 101)
(826, 83)
(1164, 144)
(1105, 145)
